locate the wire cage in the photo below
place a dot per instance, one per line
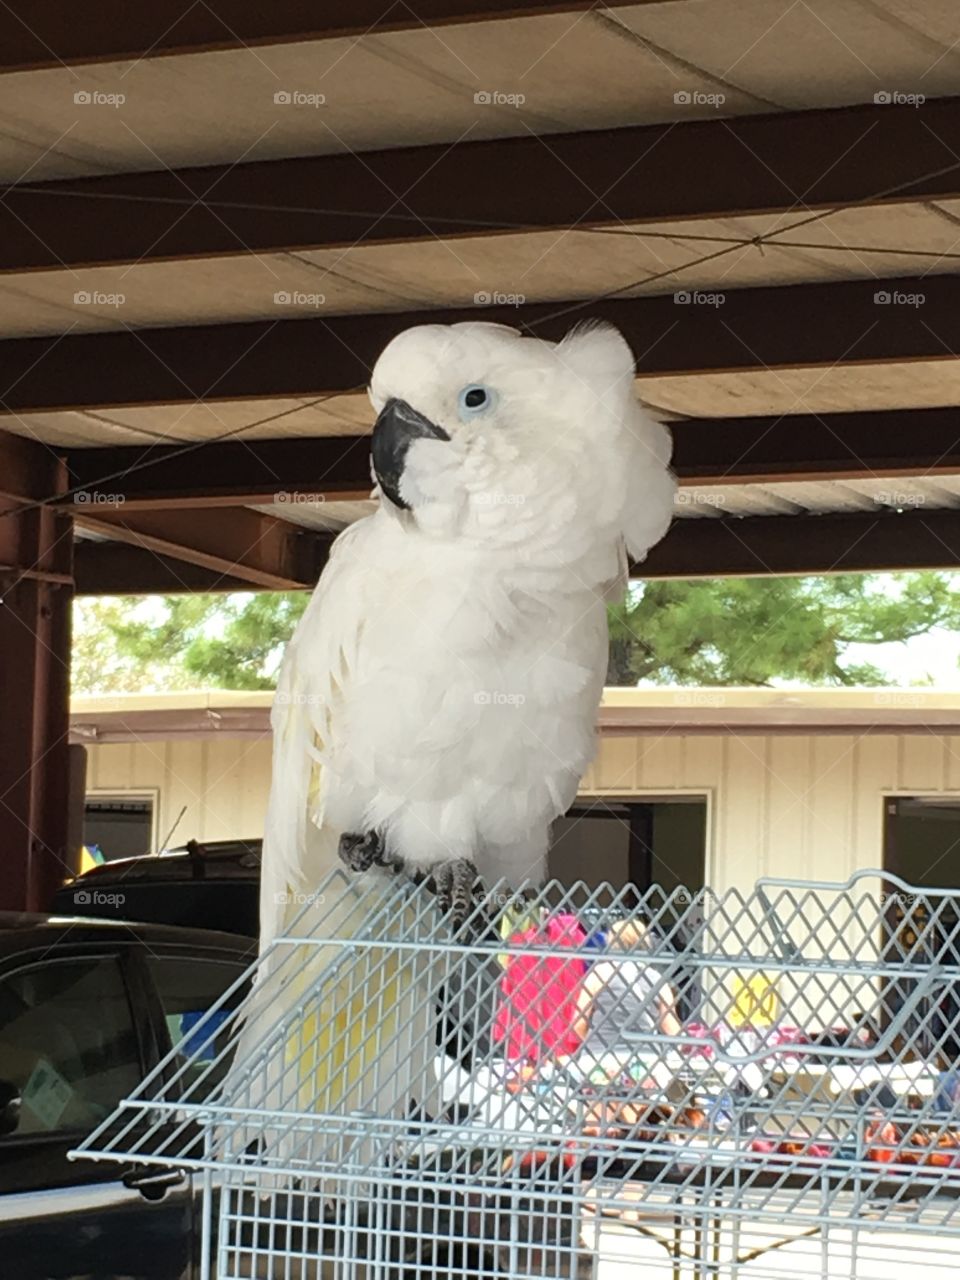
(581, 1082)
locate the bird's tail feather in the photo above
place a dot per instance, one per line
(341, 1021)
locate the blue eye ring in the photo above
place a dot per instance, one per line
(474, 400)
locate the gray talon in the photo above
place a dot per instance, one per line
(362, 850)
(456, 884)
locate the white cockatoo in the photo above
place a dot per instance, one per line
(437, 703)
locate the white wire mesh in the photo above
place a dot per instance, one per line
(516, 1101)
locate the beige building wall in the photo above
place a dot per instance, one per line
(222, 783)
(799, 806)
(787, 805)
(802, 807)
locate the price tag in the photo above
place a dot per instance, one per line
(754, 1002)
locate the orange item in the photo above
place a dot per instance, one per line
(886, 1133)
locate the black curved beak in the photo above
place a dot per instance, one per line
(395, 430)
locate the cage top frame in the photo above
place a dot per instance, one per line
(816, 938)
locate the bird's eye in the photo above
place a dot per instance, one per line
(474, 400)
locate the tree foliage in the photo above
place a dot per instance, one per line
(198, 641)
(104, 661)
(727, 631)
(751, 631)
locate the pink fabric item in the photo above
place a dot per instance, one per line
(538, 994)
(707, 1036)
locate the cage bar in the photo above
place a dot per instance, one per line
(578, 1083)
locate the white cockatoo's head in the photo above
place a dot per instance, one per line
(508, 440)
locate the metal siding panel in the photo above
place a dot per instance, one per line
(784, 805)
(740, 813)
(788, 805)
(253, 786)
(616, 764)
(145, 763)
(702, 762)
(166, 815)
(922, 763)
(113, 767)
(951, 748)
(876, 773)
(588, 783)
(221, 787)
(185, 790)
(831, 792)
(660, 763)
(94, 758)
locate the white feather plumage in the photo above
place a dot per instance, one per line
(444, 680)
(442, 685)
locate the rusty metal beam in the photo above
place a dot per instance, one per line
(120, 569)
(36, 589)
(791, 326)
(783, 545)
(46, 33)
(229, 474)
(704, 547)
(873, 444)
(648, 173)
(236, 543)
(832, 446)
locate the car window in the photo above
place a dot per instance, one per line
(68, 1043)
(187, 989)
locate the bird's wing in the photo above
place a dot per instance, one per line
(323, 1029)
(317, 667)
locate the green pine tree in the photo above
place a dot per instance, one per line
(725, 631)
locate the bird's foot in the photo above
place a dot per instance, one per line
(456, 884)
(364, 849)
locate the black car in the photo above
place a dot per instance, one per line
(206, 886)
(87, 1008)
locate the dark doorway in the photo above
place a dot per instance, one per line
(922, 840)
(654, 840)
(119, 827)
(921, 845)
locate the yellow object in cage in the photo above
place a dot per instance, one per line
(754, 1002)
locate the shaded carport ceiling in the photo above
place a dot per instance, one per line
(213, 215)
(116, 30)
